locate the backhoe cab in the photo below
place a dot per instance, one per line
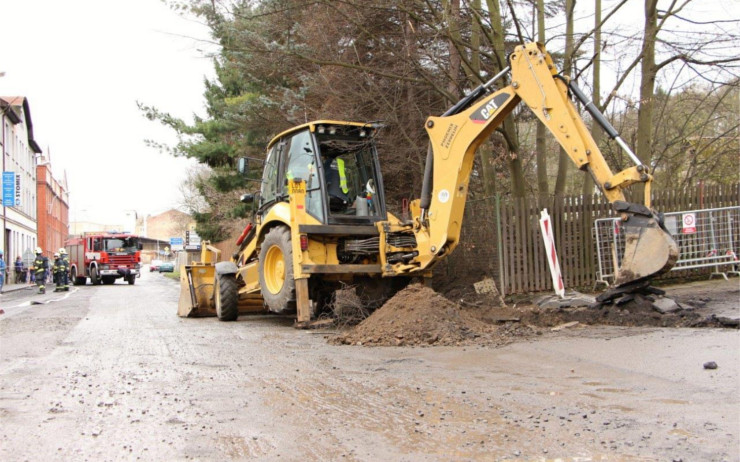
(316, 225)
(338, 163)
(320, 218)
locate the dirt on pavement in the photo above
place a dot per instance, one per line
(419, 316)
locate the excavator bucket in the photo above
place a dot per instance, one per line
(649, 249)
(196, 285)
(196, 291)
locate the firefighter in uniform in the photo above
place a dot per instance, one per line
(56, 270)
(65, 275)
(39, 268)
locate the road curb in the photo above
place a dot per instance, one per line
(7, 288)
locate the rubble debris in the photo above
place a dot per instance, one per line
(487, 286)
(710, 365)
(418, 316)
(565, 326)
(666, 305)
(571, 299)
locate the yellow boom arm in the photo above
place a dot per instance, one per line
(455, 136)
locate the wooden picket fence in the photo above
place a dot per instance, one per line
(502, 239)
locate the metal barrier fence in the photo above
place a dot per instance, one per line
(705, 238)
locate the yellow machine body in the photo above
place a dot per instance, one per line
(293, 260)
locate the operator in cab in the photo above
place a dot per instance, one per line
(336, 182)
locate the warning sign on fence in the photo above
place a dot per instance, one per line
(689, 223)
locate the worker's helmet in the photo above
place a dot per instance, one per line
(56, 255)
(38, 250)
(62, 251)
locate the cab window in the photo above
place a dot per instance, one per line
(350, 178)
(269, 176)
(301, 163)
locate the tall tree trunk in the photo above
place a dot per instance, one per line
(452, 16)
(596, 131)
(543, 186)
(509, 131)
(486, 154)
(409, 27)
(647, 90)
(563, 159)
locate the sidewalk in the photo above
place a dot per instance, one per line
(13, 287)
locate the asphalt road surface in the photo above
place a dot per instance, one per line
(111, 373)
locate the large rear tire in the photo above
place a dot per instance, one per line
(276, 271)
(227, 297)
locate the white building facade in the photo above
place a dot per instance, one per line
(19, 151)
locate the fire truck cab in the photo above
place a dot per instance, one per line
(104, 257)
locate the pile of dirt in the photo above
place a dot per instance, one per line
(419, 316)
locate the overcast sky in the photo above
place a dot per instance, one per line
(83, 65)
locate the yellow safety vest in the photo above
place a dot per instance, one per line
(342, 176)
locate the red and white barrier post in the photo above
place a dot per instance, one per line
(552, 255)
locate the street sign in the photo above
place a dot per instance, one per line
(191, 238)
(18, 190)
(689, 223)
(8, 189)
(176, 241)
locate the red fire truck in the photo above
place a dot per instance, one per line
(104, 257)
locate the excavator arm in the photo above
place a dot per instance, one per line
(456, 135)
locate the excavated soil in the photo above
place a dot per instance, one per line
(419, 316)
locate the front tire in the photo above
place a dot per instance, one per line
(227, 297)
(94, 277)
(132, 279)
(276, 271)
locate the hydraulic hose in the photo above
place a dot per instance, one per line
(599, 118)
(427, 185)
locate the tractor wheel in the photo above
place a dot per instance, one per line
(94, 277)
(227, 297)
(276, 271)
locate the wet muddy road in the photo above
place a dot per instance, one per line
(111, 373)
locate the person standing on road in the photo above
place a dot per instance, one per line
(57, 269)
(19, 270)
(40, 268)
(65, 274)
(3, 269)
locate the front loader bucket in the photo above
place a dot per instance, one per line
(196, 291)
(649, 250)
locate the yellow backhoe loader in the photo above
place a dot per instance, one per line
(321, 219)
